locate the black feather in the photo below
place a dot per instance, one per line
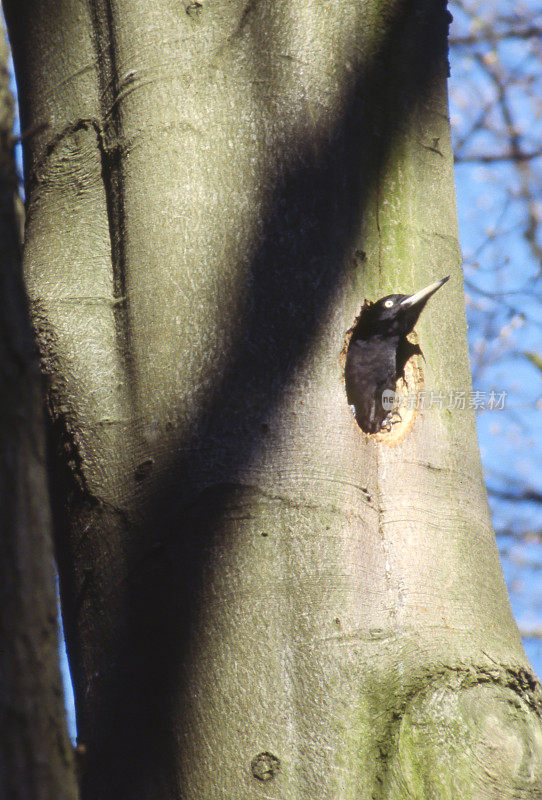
(378, 351)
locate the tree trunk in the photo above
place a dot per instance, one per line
(258, 598)
(36, 760)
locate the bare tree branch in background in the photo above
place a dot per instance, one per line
(496, 108)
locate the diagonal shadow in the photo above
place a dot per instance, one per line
(127, 717)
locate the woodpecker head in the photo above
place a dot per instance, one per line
(395, 314)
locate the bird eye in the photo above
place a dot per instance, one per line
(389, 304)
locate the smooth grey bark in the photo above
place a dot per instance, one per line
(258, 598)
(36, 761)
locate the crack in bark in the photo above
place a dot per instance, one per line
(112, 153)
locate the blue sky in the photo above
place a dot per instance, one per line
(496, 106)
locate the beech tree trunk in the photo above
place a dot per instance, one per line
(258, 598)
(36, 761)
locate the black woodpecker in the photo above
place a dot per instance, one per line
(378, 351)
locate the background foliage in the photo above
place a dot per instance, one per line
(496, 114)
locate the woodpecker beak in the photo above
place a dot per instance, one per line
(412, 306)
(419, 299)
